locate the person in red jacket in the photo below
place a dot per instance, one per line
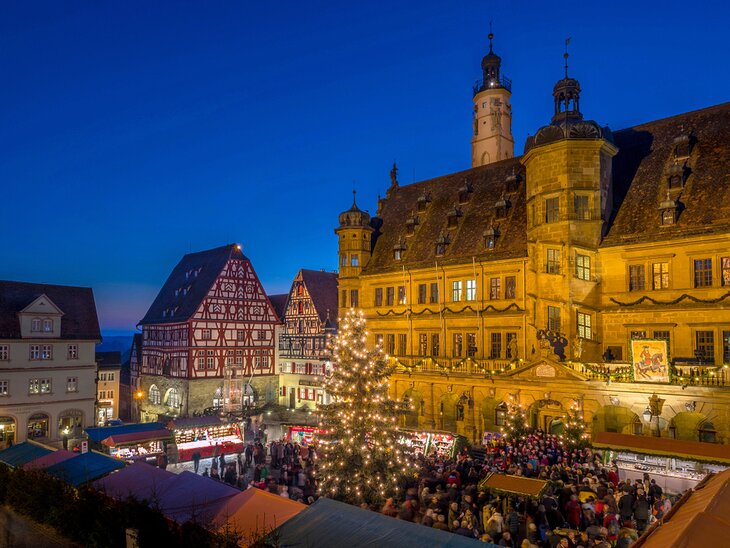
(573, 512)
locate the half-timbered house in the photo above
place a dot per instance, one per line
(310, 316)
(211, 319)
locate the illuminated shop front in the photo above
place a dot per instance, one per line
(208, 436)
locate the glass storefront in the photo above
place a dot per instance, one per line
(38, 426)
(7, 431)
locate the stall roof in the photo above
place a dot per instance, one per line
(22, 453)
(102, 432)
(700, 518)
(514, 484)
(139, 480)
(331, 523)
(194, 422)
(666, 447)
(49, 459)
(85, 467)
(189, 495)
(255, 511)
(136, 437)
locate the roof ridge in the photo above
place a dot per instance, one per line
(719, 106)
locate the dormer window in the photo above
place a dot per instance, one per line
(423, 201)
(398, 250)
(512, 183)
(453, 217)
(411, 223)
(676, 176)
(441, 243)
(501, 207)
(682, 147)
(490, 238)
(465, 191)
(668, 210)
(668, 217)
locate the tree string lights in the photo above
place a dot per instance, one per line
(516, 422)
(574, 433)
(361, 458)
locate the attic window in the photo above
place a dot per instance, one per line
(682, 147)
(512, 183)
(668, 209)
(453, 217)
(441, 243)
(490, 238)
(501, 207)
(465, 191)
(411, 223)
(398, 250)
(668, 217)
(676, 176)
(423, 201)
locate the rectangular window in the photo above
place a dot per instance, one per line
(389, 296)
(4, 388)
(73, 352)
(211, 362)
(510, 286)
(703, 272)
(354, 301)
(456, 291)
(660, 275)
(636, 277)
(34, 386)
(343, 298)
(35, 352)
(585, 330)
(379, 340)
(201, 363)
(582, 267)
(421, 293)
(343, 260)
(471, 290)
(495, 288)
(508, 339)
(354, 260)
(552, 210)
(435, 347)
(390, 344)
(552, 266)
(458, 345)
(45, 386)
(705, 346)
(725, 267)
(423, 344)
(495, 346)
(205, 334)
(378, 296)
(638, 334)
(434, 292)
(240, 334)
(35, 324)
(662, 335)
(471, 344)
(726, 346)
(4, 352)
(102, 376)
(582, 213)
(401, 294)
(72, 384)
(553, 317)
(402, 344)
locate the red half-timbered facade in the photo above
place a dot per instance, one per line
(211, 320)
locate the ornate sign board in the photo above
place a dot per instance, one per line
(650, 360)
(545, 370)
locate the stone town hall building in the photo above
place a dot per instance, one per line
(527, 278)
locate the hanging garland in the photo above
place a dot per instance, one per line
(675, 301)
(488, 308)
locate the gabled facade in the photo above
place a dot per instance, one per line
(309, 318)
(589, 240)
(47, 367)
(109, 387)
(210, 322)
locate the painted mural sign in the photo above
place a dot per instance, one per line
(650, 360)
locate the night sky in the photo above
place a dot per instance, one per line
(135, 132)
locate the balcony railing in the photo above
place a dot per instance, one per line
(493, 83)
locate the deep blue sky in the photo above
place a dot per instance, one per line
(134, 132)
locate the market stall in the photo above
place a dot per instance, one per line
(138, 446)
(441, 444)
(301, 434)
(208, 436)
(676, 465)
(513, 485)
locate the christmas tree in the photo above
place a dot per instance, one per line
(574, 433)
(516, 422)
(361, 458)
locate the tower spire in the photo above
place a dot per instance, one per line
(566, 55)
(490, 36)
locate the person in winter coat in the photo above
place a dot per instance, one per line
(641, 510)
(573, 512)
(626, 506)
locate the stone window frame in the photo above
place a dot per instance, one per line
(702, 276)
(636, 282)
(584, 325)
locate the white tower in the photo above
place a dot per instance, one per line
(492, 140)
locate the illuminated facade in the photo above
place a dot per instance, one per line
(528, 278)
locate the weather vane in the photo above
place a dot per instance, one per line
(565, 56)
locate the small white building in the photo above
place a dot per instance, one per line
(48, 334)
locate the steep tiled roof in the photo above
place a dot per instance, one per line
(195, 272)
(109, 360)
(278, 302)
(79, 320)
(646, 152)
(478, 214)
(322, 288)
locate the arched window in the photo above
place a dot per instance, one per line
(173, 398)
(154, 395)
(707, 432)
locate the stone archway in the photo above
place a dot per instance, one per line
(686, 425)
(544, 412)
(614, 418)
(491, 419)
